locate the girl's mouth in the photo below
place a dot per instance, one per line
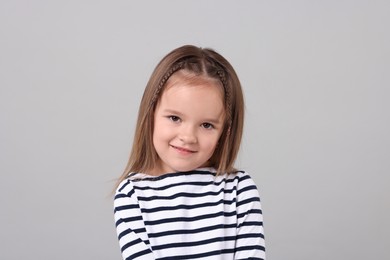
(182, 150)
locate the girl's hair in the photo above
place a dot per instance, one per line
(197, 62)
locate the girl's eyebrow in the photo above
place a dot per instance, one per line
(209, 120)
(171, 111)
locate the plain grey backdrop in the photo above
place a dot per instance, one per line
(316, 79)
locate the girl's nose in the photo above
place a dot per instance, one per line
(187, 135)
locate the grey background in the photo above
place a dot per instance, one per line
(316, 80)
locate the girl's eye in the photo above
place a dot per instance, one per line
(174, 118)
(207, 126)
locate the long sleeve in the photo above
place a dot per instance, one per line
(132, 236)
(250, 242)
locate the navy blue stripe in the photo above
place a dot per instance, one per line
(251, 258)
(191, 231)
(250, 223)
(131, 243)
(120, 196)
(119, 221)
(213, 183)
(199, 256)
(124, 233)
(240, 203)
(170, 208)
(186, 194)
(246, 248)
(250, 235)
(138, 254)
(130, 219)
(140, 230)
(206, 241)
(174, 185)
(123, 186)
(125, 207)
(194, 243)
(131, 193)
(244, 177)
(252, 211)
(251, 187)
(211, 253)
(188, 219)
(129, 230)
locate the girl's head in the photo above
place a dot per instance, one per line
(196, 90)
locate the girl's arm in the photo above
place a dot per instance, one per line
(250, 242)
(132, 236)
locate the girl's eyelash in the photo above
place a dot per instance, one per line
(174, 118)
(178, 119)
(208, 126)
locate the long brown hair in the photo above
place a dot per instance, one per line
(202, 62)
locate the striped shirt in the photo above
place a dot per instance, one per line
(189, 215)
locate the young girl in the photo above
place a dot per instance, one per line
(180, 196)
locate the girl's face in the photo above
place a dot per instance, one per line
(188, 122)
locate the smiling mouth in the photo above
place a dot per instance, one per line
(183, 150)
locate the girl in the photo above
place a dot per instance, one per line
(180, 196)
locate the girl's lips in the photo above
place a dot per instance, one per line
(183, 150)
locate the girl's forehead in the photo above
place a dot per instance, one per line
(195, 101)
(180, 79)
